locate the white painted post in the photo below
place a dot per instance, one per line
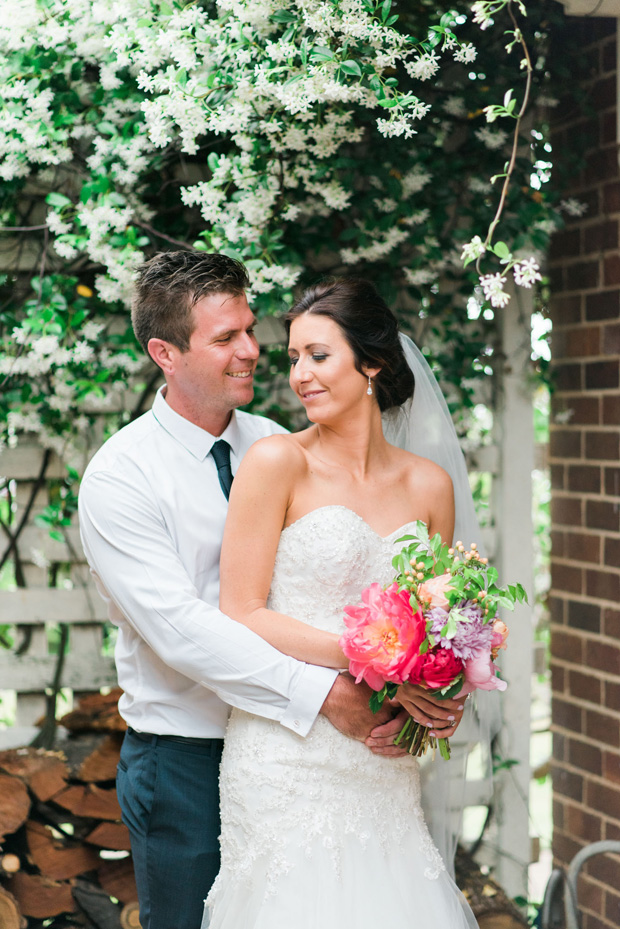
(514, 560)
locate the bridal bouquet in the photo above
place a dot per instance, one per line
(435, 625)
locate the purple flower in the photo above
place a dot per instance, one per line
(472, 637)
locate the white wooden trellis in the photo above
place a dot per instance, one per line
(509, 542)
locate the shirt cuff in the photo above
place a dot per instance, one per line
(308, 698)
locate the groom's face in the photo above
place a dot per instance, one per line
(219, 367)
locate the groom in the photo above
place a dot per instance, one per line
(152, 510)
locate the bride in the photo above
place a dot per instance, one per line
(318, 833)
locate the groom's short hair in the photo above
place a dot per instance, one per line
(171, 283)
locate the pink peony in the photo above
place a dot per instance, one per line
(383, 636)
(438, 668)
(432, 592)
(481, 674)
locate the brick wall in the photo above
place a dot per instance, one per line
(585, 475)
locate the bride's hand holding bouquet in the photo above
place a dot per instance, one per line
(434, 626)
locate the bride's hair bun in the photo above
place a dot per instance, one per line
(369, 327)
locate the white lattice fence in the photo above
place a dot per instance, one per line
(29, 667)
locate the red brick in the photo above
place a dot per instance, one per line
(558, 679)
(602, 728)
(566, 715)
(565, 443)
(611, 192)
(589, 894)
(603, 797)
(604, 585)
(612, 831)
(583, 547)
(568, 783)
(610, 340)
(612, 906)
(565, 310)
(612, 486)
(565, 847)
(584, 275)
(586, 825)
(584, 478)
(557, 476)
(603, 868)
(576, 343)
(612, 553)
(602, 446)
(611, 411)
(590, 921)
(601, 515)
(611, 767)
(556, 609)
(559, 746)
(609, 63)
(566, 511)
(603, 97)
(557, 279)
(584, 615)
(601, 236)
(611, 625)
(584, 410)
(612, 695)
(567, 578)
(608, 136)
(567, 647)
(557, 810)
(565, 244)
(602, 375)
(587, 758)
(603, 657)
(611, 276)
(582, 686)
(568, 376)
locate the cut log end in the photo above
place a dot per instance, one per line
(9, 864)
(10, 917)
(130, 916)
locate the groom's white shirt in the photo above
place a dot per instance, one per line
(152, 517)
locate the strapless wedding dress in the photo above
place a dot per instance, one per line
(317, 832)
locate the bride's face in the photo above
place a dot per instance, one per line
(323, 372)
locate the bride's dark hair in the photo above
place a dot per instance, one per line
(370, 328)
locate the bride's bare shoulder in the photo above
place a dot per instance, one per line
(419, 469)
(281, 453)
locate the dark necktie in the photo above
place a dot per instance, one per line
(221, 455)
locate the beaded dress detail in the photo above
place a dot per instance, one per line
(317, 832)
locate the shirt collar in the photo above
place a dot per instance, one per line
(197, 441)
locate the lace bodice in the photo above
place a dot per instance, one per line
(323, 562)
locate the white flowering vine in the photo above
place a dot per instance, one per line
(302, 136)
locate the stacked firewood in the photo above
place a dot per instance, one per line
(64, 855)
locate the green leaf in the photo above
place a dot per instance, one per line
(321, 53)
(58, 200)
(351, 67)
(501, 250)
(56, 535)
(386, 6)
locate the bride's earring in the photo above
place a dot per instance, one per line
(369, 391)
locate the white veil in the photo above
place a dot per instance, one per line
(423, 425)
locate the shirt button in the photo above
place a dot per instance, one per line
(296, 723)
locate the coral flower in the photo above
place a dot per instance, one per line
(432, 592)
(383, 636)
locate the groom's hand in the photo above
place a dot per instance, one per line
(346, 707)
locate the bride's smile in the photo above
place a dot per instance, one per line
(324, 374)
